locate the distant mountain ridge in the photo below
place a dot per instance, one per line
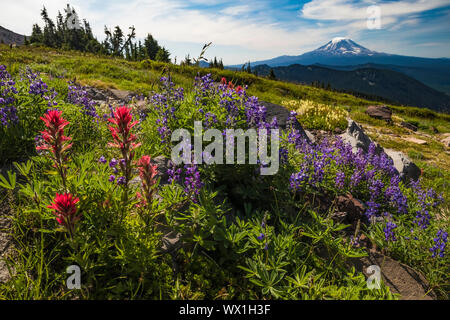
(10, 37)
(391, 85)
(345, 52)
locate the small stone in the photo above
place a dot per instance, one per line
(446, 142)
(416, 141)
(408, 125)
(380, 112)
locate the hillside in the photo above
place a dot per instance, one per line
(10, 37)
(437, 77)
(87, 178)
(391, 85)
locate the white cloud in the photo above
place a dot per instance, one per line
(258, 36)
(236, 10)
(349, 10)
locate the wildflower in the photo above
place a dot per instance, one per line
(124, 140)
(340, 180)
(102, 160)
(173, 172)
(192, 181)
(113, 163)
(55, 140)
(440, 242)
(64, 206)
(79, 96)
(389, 231)
(260, 237)
(147, 173)
(121, 181)
(112, 178)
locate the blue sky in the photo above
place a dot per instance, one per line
(256, 30)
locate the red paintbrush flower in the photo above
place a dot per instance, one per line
(147, 173)
(65, 210)
(55, 140)
(230, 85)
(239, 89)
(54, 134)
(223, 80)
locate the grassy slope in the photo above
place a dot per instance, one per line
(107, 72)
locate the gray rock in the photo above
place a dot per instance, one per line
(282, 114)
(310, 136)
(356, 137)
(405, 167)
(408, 125)
(163, 165)
(380, 112)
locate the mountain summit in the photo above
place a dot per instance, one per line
(345, 54)
(344, 47)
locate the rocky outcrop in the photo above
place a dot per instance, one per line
(282, 114)
(408, 125)
(356, 137)
(380, 112)
(400, 278)
(405, 167)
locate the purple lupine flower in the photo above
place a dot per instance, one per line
(284, 155)
(340, 180)
(260, 237)
(192, 181)
(389, 231)
(113, 163)
(102, 160)
(210, 119)
(79, 96)
(174, 173)
(121, 181)
(112, 178)
(8, 111)
(296, 179)
(440, 242)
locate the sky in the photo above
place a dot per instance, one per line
(254, 30)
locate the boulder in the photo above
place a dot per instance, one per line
(122, 95)
(446, 142)
(400, 278)
(310, 136)
(408, 125)
(405, 167)
(380, 112)
(349, 209)
(356, 137)
(282, 114)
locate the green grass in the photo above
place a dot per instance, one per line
(117, 242)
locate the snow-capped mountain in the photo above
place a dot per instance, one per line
(343, 52)
(344, 47)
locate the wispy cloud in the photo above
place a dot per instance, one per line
(239, 30)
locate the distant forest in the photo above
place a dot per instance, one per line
(70, 33)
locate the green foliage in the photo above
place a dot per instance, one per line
(304, 253)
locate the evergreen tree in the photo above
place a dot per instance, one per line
(272, 75)
(163, 55)
(249, 69)
(36, 34)
(151, 47)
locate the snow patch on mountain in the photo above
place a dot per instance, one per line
(344, 46)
